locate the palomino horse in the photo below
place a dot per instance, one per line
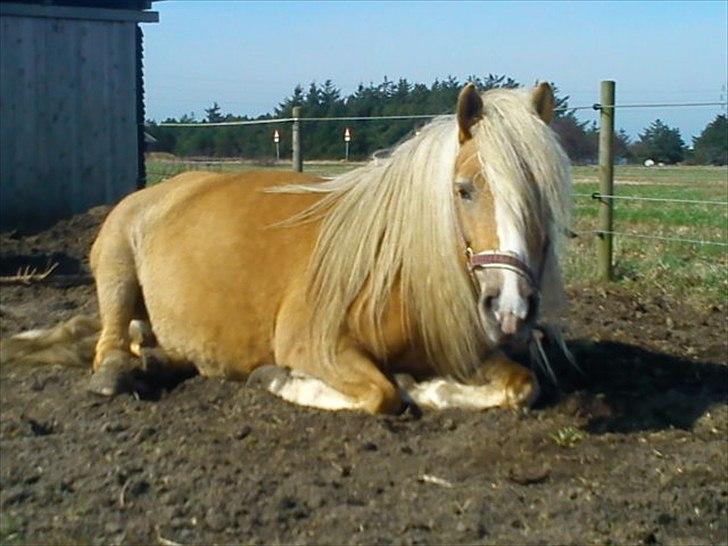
(428, 263)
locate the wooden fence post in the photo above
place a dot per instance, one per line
(296, 140)
(606, 180)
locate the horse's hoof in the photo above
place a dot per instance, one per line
(116, 375)
(522, 390)
(268, 377)
(112, 380)
(410, 410)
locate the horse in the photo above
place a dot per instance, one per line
(430, 262)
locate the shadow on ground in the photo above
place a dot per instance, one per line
(619, 388)
(625, 388)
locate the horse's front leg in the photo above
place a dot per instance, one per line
(354, 382)
(499, 382)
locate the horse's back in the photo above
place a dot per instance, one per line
(213, 266)
(182, 195)
(125, 218)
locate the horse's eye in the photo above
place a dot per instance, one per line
(466, 191)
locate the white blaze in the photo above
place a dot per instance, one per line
(511, 240)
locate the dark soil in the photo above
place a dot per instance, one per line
(634, 451)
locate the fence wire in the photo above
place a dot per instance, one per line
(595, 106)
(228, 123)
(666, 105)
(597, 195)
(653, 237)
(331, 118)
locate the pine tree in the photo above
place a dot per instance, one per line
(312, 101)
(285, 108)
(711, 147)
(213, 113)
(659, 143)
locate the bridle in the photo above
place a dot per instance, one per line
(503, 259)
(497, 259)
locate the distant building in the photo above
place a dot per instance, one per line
(71, 106)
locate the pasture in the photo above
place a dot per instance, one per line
(632, 450)
(697, 271)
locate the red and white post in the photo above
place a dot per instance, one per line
(347, 139)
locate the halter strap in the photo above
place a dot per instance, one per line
(492, 259)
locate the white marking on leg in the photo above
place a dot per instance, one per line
(30, 334)
(306, 390)
(442, 394)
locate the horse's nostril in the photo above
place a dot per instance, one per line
(511, 324)
(489, 302)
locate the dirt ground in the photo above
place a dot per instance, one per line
(634, 451)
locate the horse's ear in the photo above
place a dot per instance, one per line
(470, 110)
(543, 101)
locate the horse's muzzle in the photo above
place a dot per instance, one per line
(511, 324)
(507, 317)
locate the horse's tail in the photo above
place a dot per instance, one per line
(70, 343)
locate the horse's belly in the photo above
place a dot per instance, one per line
(214, 274)
(221, 316)
(231, 343)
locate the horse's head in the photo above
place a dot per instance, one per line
(506, 248)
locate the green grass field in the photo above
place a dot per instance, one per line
(697, 272)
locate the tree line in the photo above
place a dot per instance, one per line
(324, 140)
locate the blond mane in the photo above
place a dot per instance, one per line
(390, 225)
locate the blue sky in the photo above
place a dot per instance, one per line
(248, 56)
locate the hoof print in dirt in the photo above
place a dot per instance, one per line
(268, 377)
(41, 428)
(524, 474)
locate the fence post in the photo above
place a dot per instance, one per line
(296, 140)
(606, 179)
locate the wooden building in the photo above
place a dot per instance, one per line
(71, 107)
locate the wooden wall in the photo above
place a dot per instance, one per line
(68, 116)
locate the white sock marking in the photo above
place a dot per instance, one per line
(30, 334)
(441, 394)
(306, 390)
